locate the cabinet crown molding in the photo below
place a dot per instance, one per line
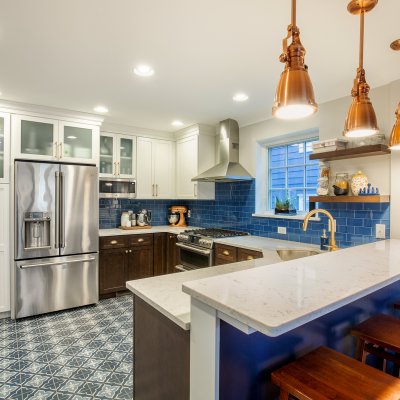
(196, 129)
(14, 107)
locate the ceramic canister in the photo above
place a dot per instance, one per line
(358, 181)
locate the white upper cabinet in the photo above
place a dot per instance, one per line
(4, 249)
(155, 168)
(47, 139)
(117, 156)
(4, 147)
(78, 143)
(195, 153)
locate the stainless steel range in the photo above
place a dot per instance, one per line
(196, 247)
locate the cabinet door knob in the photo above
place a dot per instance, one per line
(114, 242)
(226, 253)
(126, 251)
(61, 150)
(140, 240)
(55, 152)
(250, 258)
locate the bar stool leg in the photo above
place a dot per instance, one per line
(284, 395)
(360, 353)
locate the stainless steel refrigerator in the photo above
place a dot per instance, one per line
(56, 237)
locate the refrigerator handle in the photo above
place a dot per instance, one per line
(62, 211)
(57, 216)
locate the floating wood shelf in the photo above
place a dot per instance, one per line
(354, 152)
(350, 199)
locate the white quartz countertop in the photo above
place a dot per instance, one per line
(276, 299)
(165, 294)
(153, 229)
(266, 245)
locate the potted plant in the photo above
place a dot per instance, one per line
(284, 207)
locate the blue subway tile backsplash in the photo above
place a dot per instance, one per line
(234, 205)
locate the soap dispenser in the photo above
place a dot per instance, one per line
(324, 240)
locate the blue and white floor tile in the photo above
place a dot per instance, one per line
(80, 354)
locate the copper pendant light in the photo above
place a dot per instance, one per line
(361, 119)
(294, 97)
(394, 143)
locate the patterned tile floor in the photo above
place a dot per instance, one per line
(84, 353)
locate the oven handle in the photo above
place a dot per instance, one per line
(194, 249)
(182, 268)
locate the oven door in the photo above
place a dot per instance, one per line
(192, 257)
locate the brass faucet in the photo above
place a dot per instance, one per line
(332, 242)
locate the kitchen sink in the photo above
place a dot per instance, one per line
(293, 254)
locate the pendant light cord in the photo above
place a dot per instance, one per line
(293, 12)
(361, 60)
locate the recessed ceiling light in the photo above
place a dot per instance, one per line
(177, 123)
(143, 70)
(240, 97)
(101, 109)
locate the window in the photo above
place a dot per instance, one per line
(292, 175)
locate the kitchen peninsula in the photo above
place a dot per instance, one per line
(247, 323)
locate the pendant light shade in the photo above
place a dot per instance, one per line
(361, 118)
(394, 143)
(294, 97)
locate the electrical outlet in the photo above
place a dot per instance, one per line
(282, 230)
(189, 213)
(380, 231)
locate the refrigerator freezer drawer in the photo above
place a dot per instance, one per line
(56, 283)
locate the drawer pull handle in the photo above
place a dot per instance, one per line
(140, 240)
(250, 258)
(114, 242)
(226, 253)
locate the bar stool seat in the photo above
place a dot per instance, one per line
(325, 374)
(379, 335)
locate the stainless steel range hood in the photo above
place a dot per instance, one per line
(229, 169)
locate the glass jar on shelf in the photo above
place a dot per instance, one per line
(341, 186)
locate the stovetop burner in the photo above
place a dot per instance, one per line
(205, 237)
(215, 233)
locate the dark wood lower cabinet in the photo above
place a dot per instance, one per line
(140, 262)
(160, 252)
(112, 270)
(162, 356)
(172, 253)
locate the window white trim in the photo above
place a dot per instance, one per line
(262, 179)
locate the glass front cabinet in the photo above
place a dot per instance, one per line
(117, 156)
(4, 147)
(48, 139)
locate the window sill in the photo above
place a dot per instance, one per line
(271, 214)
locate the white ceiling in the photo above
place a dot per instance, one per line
(76, 54)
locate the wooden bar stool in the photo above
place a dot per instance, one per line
(326, 374)
(380, 336)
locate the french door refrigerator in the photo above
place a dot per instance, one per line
(56, 237)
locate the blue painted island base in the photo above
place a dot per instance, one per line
(247, 361)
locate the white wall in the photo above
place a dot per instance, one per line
(395, 168)
(330, 122)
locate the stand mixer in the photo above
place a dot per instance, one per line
(182, 210)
